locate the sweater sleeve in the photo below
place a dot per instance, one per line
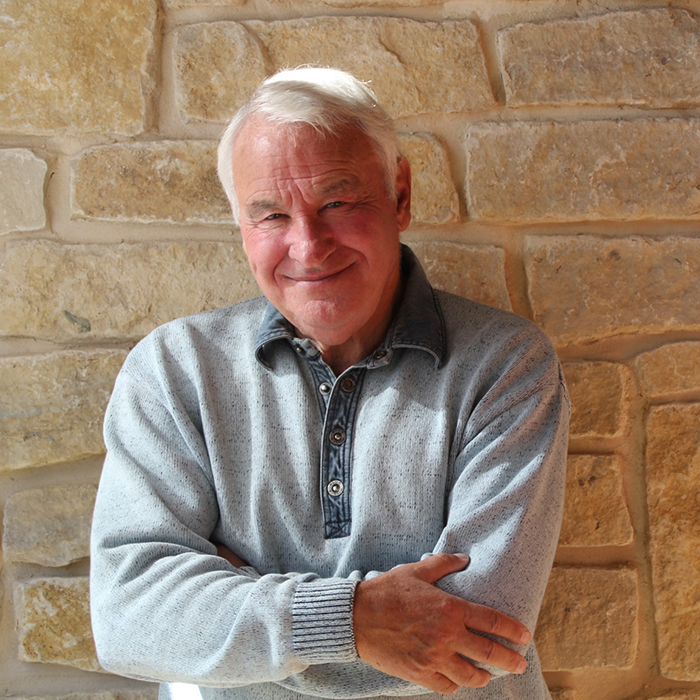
(505, 505)
(505, 500)
(164, 606)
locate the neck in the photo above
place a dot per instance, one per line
(356, 348)
(340, 357)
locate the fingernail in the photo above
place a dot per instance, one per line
(462, 556)
(525, 637)
(521, 666)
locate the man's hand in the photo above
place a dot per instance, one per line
(225, 553)
(408, 628)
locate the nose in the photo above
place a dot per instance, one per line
(311, 243)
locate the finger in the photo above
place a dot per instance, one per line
(437, 682)
(464, 674)
(486, 650)
(483, 619)
(224, 552)
(438, 565)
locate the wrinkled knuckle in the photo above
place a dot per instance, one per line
(422, 677)
(445, 608)
(489, 650)
(494, 622)
(470, 672)
(429, 679)
(474, 678)
(445, 686)
(452, 612)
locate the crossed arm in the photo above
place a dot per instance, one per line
(166, 608)
(408, 628)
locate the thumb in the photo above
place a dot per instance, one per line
(436, 566)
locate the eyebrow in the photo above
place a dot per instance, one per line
(257, 208)
(339, 186)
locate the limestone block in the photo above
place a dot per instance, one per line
(595, 170)
(599, 394)
(145, 694)
(51, 406)
(54, 623)
(647, 57)
(588, 619)
(75, 66)
(49, 526)
(62, 292)
(173, 181)
(673, 496)
(414, 67)
(563, 693)
(595, 512)
(360, 3)
(21, 190)
(475, 272)
(433, 197)
(173, 4)
(208, 88)
(584, 288)
(669, 369)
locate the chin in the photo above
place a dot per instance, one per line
(329, 331)
(323, 313)
(325, 331)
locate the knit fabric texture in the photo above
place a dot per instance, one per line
(450, 437)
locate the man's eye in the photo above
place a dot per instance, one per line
(272, 217)
(334, 205)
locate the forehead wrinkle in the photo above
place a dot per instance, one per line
(344, 184)
(267, 197)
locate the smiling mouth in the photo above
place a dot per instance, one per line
(319, 276)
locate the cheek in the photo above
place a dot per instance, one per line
(263, 254)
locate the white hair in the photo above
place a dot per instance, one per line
(326, 99)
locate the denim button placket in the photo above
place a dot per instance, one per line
(347, 384)
(335, 487)
(337, 436)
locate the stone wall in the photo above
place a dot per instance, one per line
(556, 147)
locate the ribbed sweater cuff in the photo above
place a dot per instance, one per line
(322, 629)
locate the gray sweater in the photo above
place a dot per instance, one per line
(451, 437)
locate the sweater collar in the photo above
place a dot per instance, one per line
(419, 323)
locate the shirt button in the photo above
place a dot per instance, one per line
(299, 349)
(335, 487)
(324, 388)
(337, 436)
(380, 354)
(347, 384)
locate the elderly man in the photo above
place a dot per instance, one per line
(340, 489)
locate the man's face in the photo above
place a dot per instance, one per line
(319, 228)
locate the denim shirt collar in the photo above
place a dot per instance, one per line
(419, 323)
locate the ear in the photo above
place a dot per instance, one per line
(403, 194)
